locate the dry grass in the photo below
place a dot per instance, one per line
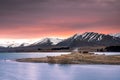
(76, 58)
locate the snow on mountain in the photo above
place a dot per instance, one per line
(17, 43)
(75, 36)
(9, 44)
(76, 39)
(90, 39)
(24, 44)
(115, 35)
(54, 41)
(89, 36)
(92, 36)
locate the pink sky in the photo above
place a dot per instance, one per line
(57, 18)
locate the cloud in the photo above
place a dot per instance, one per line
(71, 15)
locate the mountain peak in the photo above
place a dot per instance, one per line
(54, 41)
(91, 36)
(75, 36)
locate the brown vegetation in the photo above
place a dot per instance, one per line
(77, 58)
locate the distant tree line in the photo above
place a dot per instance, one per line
(113, 49)
(59, 48)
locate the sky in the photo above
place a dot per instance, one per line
(33, 19)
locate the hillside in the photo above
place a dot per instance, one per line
(85, 40)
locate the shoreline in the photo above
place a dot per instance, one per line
(76, 58)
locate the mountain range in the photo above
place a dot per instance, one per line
(86, 39)
(90, 39)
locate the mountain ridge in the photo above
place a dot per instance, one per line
(90, 39)
(87, 39)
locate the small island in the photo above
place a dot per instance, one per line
(76, 58)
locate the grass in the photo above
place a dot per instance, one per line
(76, 58)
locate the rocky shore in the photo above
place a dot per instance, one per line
(76, 58)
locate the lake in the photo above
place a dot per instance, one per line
(11, 70)
(108, 53)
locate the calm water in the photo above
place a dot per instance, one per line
(108, 53)
(10, 70)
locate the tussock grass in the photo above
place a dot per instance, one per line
(77, 58)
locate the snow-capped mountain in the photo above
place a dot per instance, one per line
(9, 44)
(14, 43)
(90, 36)
(87, 36)
(77, 40)
(90, 39)
(115, 35)
(24, 44)
(51, 41)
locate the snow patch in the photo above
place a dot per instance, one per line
(45, 40)
(115, 35)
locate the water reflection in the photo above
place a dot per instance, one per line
(42, 71)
